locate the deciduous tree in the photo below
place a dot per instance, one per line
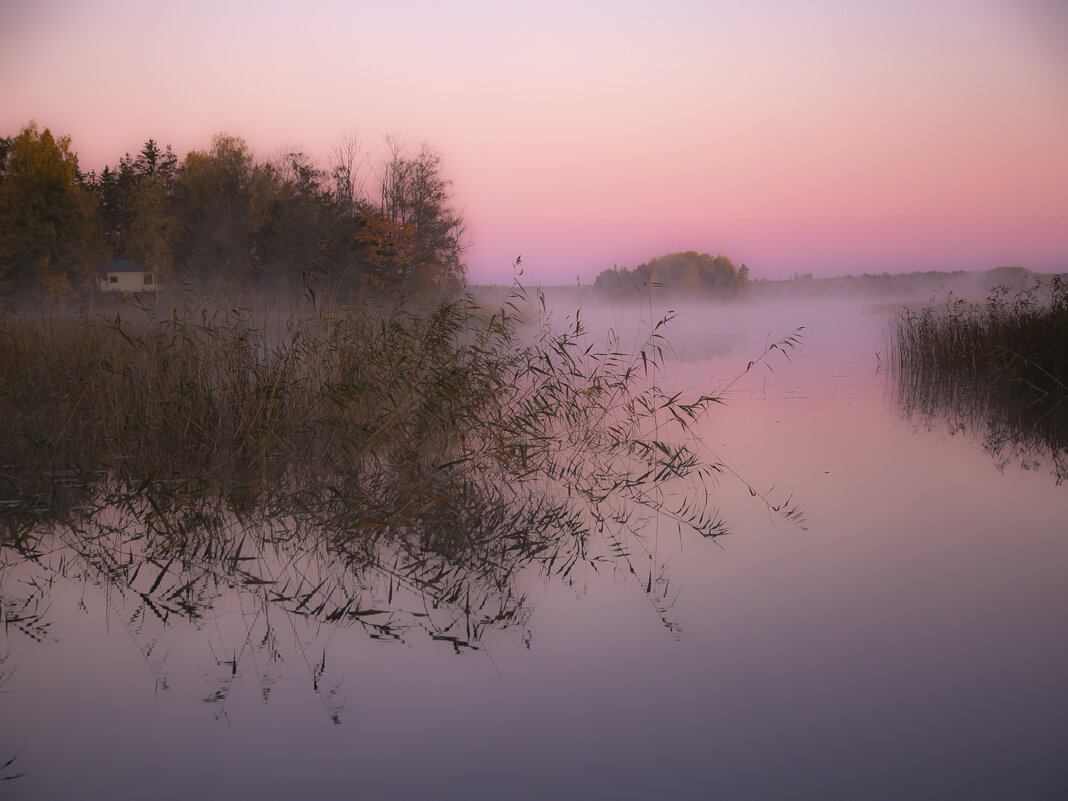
(48, 240)
(212, 205)
(416, 196)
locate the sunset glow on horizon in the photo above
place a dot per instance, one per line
(826, 137)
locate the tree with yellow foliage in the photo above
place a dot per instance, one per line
(48, 240)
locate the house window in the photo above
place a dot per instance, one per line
(114, 279)
(148, 279)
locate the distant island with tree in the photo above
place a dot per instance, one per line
(690, 273)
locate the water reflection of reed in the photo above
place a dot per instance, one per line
(299, 578)
(1012, 425)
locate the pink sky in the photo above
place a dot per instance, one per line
(827, 136)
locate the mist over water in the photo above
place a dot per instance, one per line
(902, 637)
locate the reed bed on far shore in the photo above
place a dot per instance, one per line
(1012, 342)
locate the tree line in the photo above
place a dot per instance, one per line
(690, 272)
(221, 218)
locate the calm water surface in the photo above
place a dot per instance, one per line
(907, 640)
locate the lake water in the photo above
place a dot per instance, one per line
(906, 639)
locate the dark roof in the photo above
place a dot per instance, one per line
(123, 266)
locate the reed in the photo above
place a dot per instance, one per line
(1017, 342)
(367, 418)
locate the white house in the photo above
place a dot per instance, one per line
(123, 275)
